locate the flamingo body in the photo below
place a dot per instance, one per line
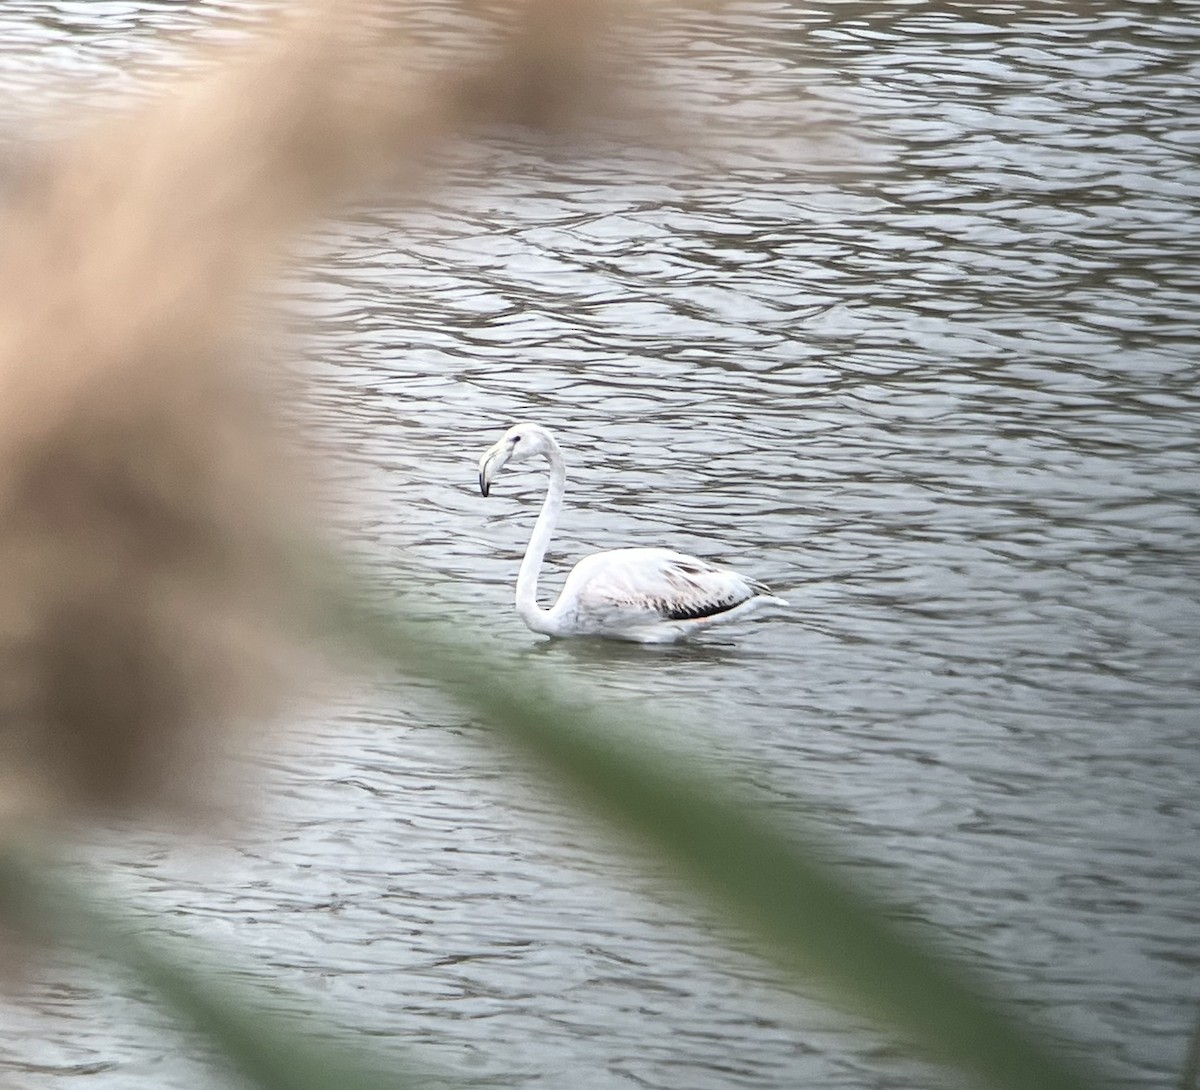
(643, 595)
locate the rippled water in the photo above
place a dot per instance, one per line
(915, 343)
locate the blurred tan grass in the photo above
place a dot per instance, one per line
(148, 507)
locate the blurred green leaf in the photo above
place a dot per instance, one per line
(807, 917)
(272, 1051)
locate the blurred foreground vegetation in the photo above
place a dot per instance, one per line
(776, 885)
(149, 584)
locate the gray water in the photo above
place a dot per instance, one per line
(914, 341)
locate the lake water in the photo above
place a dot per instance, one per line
(915, 342)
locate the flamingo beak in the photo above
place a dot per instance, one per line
(489, 465)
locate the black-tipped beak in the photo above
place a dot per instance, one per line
(488, 465)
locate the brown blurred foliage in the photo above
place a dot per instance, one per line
(149, 509)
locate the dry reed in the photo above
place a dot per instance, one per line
(148, 509)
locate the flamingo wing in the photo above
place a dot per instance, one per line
(635, 587)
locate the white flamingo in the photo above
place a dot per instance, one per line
(644, 595)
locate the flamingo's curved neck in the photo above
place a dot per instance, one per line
(535, 617)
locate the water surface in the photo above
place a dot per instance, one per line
(915, 343)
